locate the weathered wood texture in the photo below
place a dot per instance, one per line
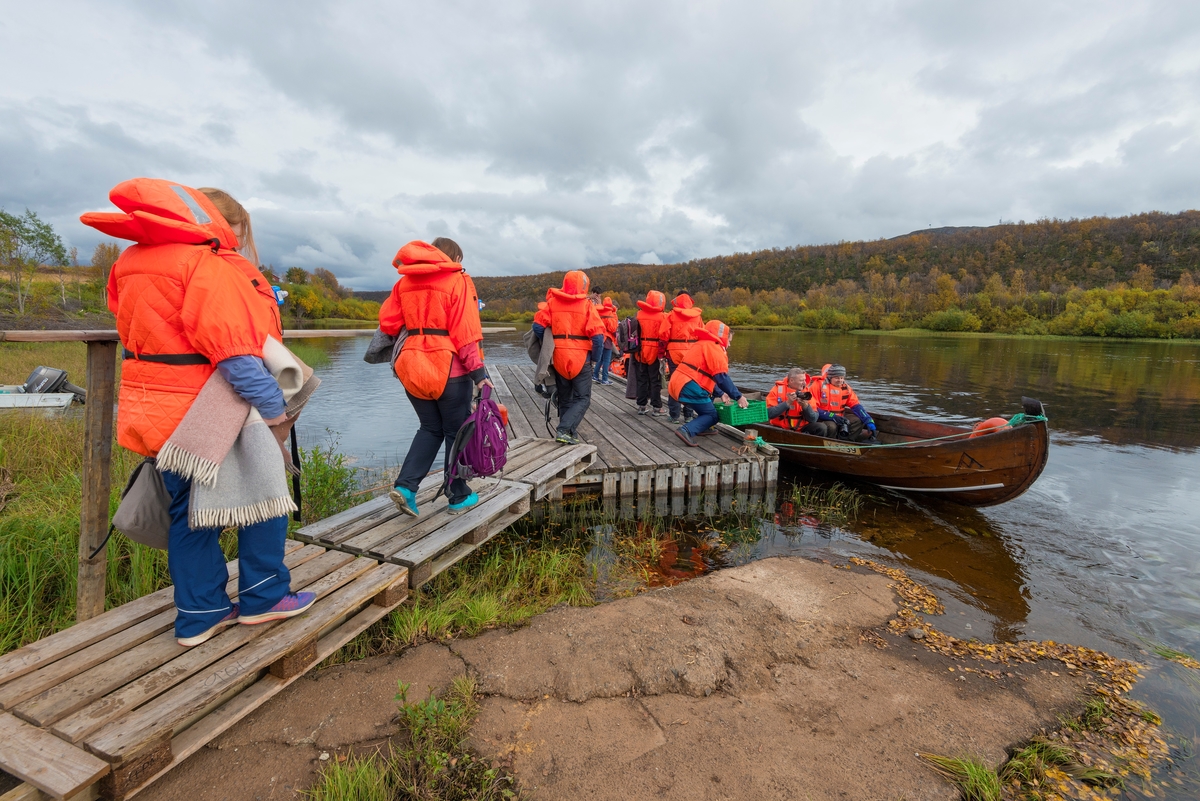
(117, 697)
(97, 459)
(636, 454)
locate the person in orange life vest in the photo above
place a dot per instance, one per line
(703, 375)
(187, 303)
(608, 316)
(790, 406)
(835, 397)
(578, 336)
(684, 321)
(440, 364)
(655, 329)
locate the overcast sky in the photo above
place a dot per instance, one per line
(559, 135)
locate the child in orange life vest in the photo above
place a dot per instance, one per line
(683, 323)
(790, 406)
(703, 373)
(655, 330)
(440, 363)
(578, 335)
(835, 397)
(608, 315)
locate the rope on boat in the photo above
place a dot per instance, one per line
(1020, 418)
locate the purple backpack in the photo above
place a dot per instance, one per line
(481, 447)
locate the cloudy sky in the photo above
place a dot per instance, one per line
(557, 135)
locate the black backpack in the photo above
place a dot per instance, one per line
(629, 335)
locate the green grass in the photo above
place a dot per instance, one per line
(311, 355)
(975, 780)
(430, 761)
(834, 505)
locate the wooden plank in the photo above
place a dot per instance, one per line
(412, 530)
(695, 479)
(192, 660)
(322, 527)
(561, 463)
(517, 419)
(81, 635)
(610, 485)
(56, 768)
(365, 523)
(95, 484)
(743, 475)
(662, 480)
(130, 734)
(14, 692)
(727, 473)
(679, 479)
(428, 547)
(447, 558)
(641, 432)
(60, 336)
(756, 473)
(213, 725)
(712, 474)
(772, 472)
(628, 483)
(643, 481)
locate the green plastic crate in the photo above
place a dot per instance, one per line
(730, 414)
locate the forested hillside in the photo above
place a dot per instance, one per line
(1124, 276)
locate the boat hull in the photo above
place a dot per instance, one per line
(980, 471)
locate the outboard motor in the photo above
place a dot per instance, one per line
(51, 379)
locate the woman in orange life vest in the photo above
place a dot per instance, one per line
(789, 405)
(608, 316)
(683, 323)
(188, 303)
(703, 373)
(440, 363)
(835, 397)
(654, 330)
(578, 335)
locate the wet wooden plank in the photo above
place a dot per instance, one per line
(518, 420)
(455, 529)
(322, 527)
(130, 734)
(56, 768)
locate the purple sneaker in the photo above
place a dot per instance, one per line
(291, 605)
(205, 636)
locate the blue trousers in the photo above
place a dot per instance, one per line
(198, 567)
(600, 373)
(694, 397)
(440, 420)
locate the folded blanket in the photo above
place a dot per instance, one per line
(229, 453)
(541, 353)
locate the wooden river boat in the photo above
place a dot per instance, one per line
(926, 457)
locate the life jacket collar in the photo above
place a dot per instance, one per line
(715, 331)
(159, 212)
(422, 258)
(655, 301)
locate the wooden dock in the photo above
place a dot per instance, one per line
(639, 455)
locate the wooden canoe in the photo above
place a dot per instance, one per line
(929, 457)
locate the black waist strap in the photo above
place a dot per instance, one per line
(701, 372)
(177, 359)
(572, 336)
(682, 340)
(430, 332)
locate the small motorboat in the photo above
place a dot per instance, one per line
(963, 465)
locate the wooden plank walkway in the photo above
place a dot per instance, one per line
(108, 705)
(640, 454)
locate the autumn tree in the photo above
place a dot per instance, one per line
(25, 243)
(103, 258)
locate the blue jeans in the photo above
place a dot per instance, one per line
(694, 397)
(440, 420)
(600, 372)
(674, 407)
(198, 567)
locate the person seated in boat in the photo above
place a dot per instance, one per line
(835, 397)
(702, 375)
(790, 405)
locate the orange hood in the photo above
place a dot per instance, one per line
(682, 301)
(159, 212)
(575, 286)
(422, 258)
(715, 331)
(608, 305)
(655, 301)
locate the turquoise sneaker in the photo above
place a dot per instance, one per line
(405, 500)
(463, 505)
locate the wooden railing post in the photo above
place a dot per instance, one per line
(97, 457)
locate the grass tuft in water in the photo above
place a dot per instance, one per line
(433, 764)
(1172, 655)
(311, 355)
(833, 505)
(975, 780)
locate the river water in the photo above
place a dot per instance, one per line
(1102, 551)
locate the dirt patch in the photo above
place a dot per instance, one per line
(764, 681)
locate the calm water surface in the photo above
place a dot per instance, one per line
(1102, 551)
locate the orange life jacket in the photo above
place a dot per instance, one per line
(572, 320)
(181, 291)
(828, 398)
(684, 321)
(705, 359)
(794, 417)
(608, 316)
(436, 302)
(653, 327)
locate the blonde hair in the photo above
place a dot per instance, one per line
(238, 218)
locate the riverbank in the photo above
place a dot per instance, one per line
(781, 678)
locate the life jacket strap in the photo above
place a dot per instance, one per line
(176, 359)
(572, 336)
(682, 340)
(700, 371)
(430, 332)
